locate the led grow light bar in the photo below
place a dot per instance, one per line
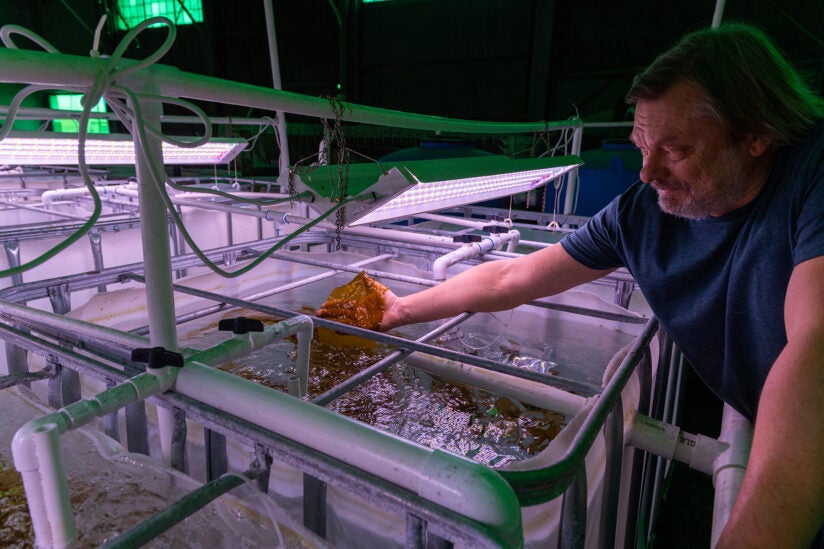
(438, 185)
(33, 148)
(372, 183)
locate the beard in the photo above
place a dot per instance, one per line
(719, 189)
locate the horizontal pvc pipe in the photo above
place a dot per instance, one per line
(728, 475)
(466, 487)
(468, 251)
(215, 206)
(69, 71)
(193, 200)
(47, 197)
(535, 244)
(401, 236)
(523, 390)
(235, 194)
(35, 113)
(669, 441)
(462, 221)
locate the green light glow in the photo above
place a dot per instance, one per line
(133, 12)
(71, 102)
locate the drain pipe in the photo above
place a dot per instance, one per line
(730, 466)
(725, 459)
(472, 249)
(669, 441)
(38, 458)
(470, 489)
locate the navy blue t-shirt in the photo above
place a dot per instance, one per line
(717, 285)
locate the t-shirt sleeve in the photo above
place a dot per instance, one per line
(595, 244)
(809, 224)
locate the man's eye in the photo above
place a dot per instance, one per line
(675, 154)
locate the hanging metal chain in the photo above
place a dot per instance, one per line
(336, 144)
(290, 183)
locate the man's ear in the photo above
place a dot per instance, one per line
(757, 144)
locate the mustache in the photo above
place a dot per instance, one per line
(659, 185)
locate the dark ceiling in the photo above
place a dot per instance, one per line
(501, 60)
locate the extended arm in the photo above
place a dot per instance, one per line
(781, 502)
(492, 286)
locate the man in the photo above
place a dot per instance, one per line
(725, 236)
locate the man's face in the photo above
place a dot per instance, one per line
(690, 160)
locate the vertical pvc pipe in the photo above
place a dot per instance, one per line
(156, 259)
(718, 14)
(36, 502)
(305, 331)
(274, 60)
(736, 431)
(572, 177)
(55, 485)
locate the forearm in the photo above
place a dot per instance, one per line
(474, 290)
(781, 502)
(492, 286)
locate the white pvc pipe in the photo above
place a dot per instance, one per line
(730, 467)
(34, 113)
(464, 486)
(274, 61)
(58, 194)
(36, 502)
(669, 441)
(473, 249)
(462, 221)
(46, 441)
(402, 236)
(183, 200)
(130, 190)
(717, 14)
(526, 391)
(37, 456)
(154, 233)
(241, 194)
(68, 71)
(50, 196)
(36, 448)
(572, 176)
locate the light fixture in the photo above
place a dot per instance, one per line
(39, 148)
(440, 184)
(372, 184)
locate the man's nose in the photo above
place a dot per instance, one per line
(653, 168)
